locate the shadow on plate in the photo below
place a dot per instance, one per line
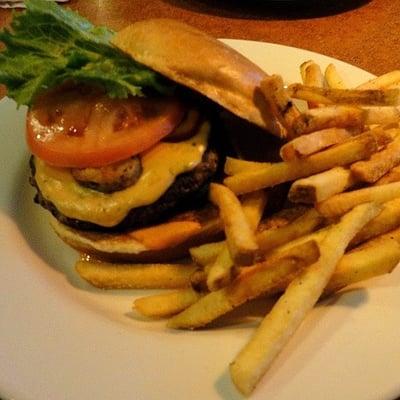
(269, 9)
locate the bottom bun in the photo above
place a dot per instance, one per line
(168, 241)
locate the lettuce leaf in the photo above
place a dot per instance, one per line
(48, 44)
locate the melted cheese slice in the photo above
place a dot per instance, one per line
(161, 165)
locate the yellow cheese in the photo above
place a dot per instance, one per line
(161, 165)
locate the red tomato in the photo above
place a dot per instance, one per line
(74, 129)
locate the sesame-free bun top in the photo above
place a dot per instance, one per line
(198, 61)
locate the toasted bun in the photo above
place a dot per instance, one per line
(202, 63)
(160, 243)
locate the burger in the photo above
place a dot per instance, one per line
(125, 128)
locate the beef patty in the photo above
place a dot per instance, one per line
(188, 191)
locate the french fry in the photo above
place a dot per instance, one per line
(381, 115)
(235, 166)
(388, 219)
(311, 143)
(253, 282)
(239, 235)
(379, 163)
(367, 97)
(343, 202)
(253, 205)
(107, 275)
(206, 253)
(378, 256)
(220, 270)
(299, 298)
(392, 176)
(166, 304)
(357, 148)
(382, 81)
(319, 187)
(279, 101)
(333, 116)
(311, 74)
(333, 78)
(273, 238)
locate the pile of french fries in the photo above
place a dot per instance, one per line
(341, 223)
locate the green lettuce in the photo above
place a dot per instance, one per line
(48, 44)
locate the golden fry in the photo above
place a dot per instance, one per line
(166, 304)
(343, 202)
(107, 275)
(333, 78)
(387, 220)
(273, 238)
(333, 116)
(251, 283)
(376, 257)
(319, 187)
(235, 166)
(367, 97)
(392, 176)
(379, 163)
(358, 148)
(382, 81)
(311, 143)
(381, 115)
(239, 235)
(292, 307)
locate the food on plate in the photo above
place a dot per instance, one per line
(133, 157)
(124, 127)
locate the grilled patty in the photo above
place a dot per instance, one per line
(188, 191)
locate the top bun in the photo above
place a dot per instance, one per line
(192, 58)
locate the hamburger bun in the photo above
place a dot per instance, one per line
(198, 61)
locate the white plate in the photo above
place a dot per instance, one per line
(61, 339)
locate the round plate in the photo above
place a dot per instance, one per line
(62, 339)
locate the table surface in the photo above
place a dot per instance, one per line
(361, 32)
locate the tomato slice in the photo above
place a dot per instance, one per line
(77, 129)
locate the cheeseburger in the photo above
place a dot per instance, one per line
(123, 127)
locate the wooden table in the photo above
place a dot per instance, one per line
(361, 32)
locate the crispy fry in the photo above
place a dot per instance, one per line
(311, 75)
(334, 116)
(253, 205)
(381, 115)
(392, 176)
(253, 282)
(387, 220)
(166, 304)
(107, 275)
(273, 238)
(379, 163)
(358, 148)
(333, 78)
(279, 101)
(299, 298)
(382, 81)
(319, 187)
(235, 166)
(376, 257)
(220, 272)
(239, 235)
(343, 202)
(311, 143)
(207, 253)
(367, 97)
